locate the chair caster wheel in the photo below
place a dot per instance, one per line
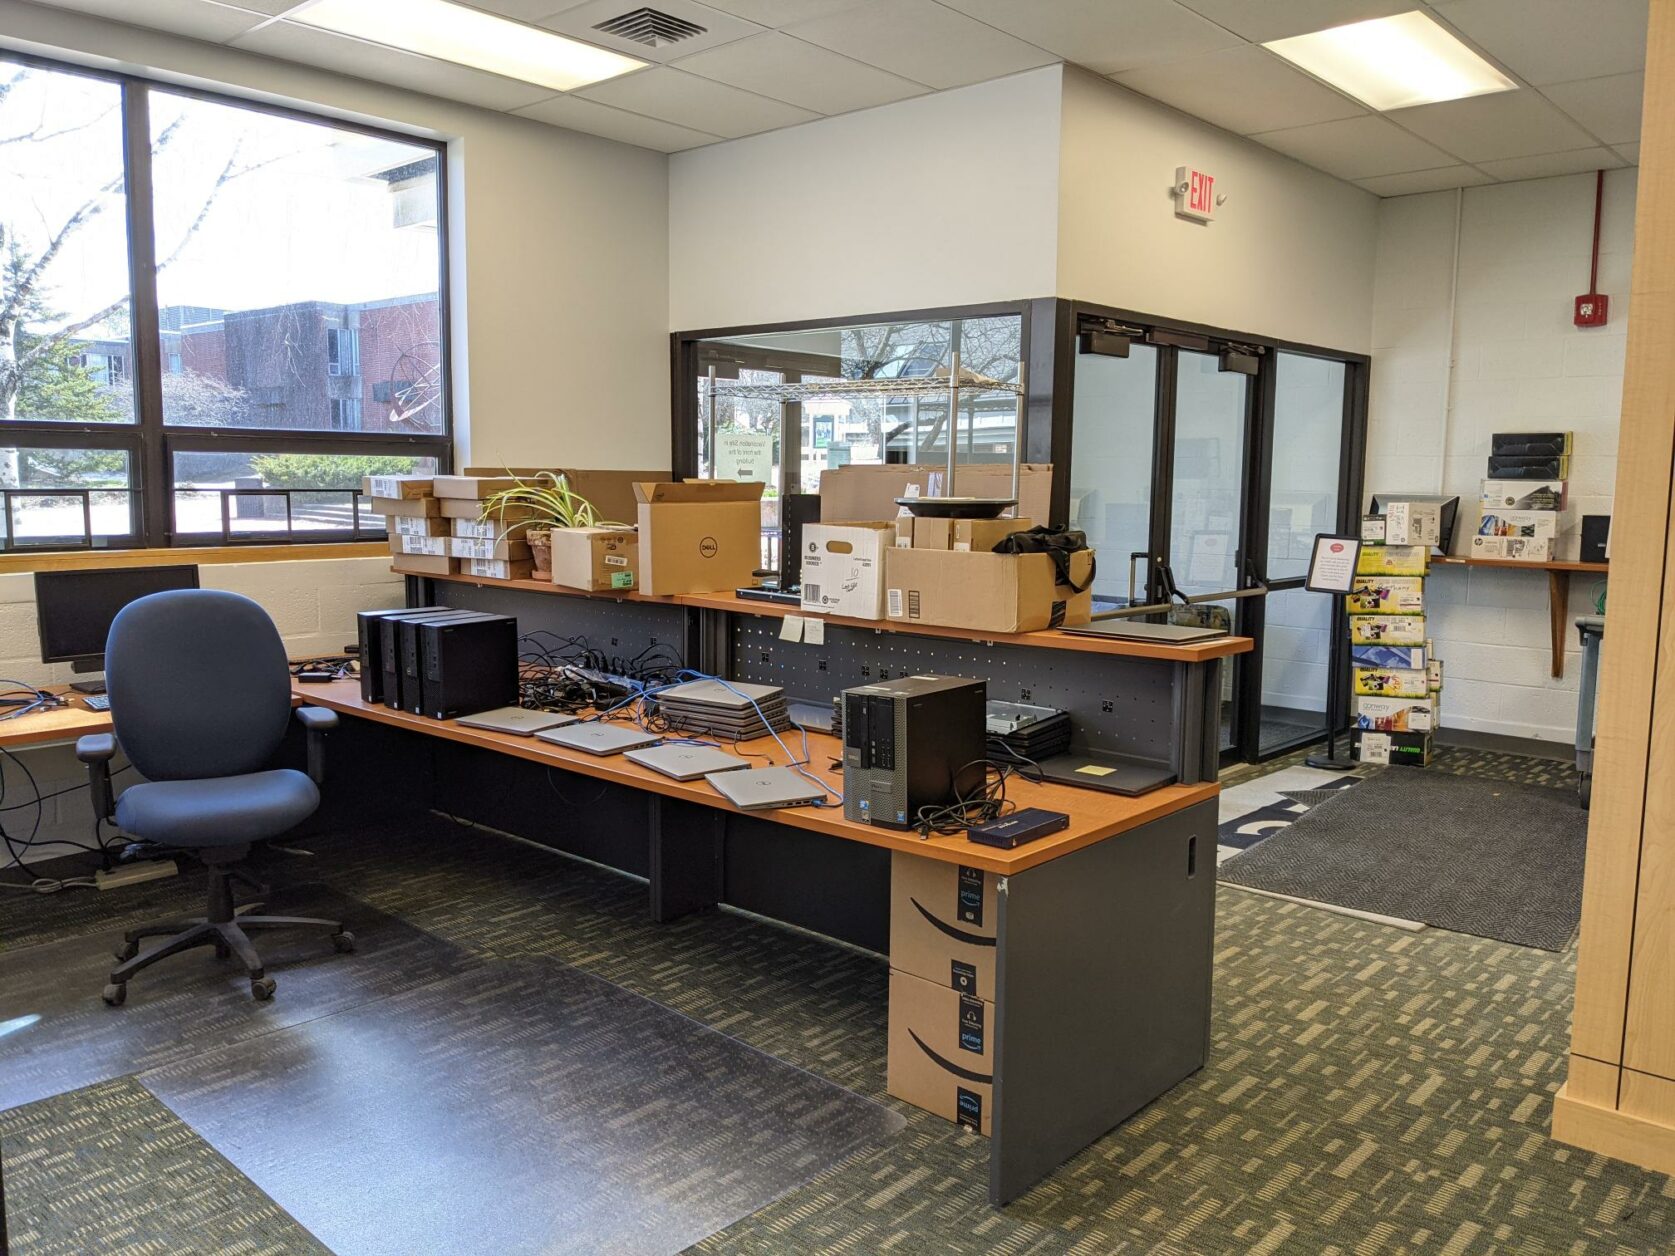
(126, 952)
(262, 988)
(116, 993)
(344, 941)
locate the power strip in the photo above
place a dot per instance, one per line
(134, 873)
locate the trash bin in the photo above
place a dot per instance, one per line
(1592, 630)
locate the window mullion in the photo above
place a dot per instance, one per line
(152, 472)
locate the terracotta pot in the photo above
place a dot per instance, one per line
(541, 550)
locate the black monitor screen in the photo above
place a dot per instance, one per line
(75, 608)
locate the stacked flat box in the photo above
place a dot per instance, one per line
(1390, 655)
(419, 534)
(1521, 505)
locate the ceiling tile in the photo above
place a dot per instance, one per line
(518, 10)
(1489, 128)
(1243, 89)
(1262, 20)
(922, 41)
(1356, 148)
(1609, 107)
(778, 13)
(615, 124)
(359, 59)
(1424, 181)
(1629, 153)
(774, 64)
(1089, 33)
(687, 100)
(1555, 41)
(196, 19)
(1545, 165)
(719, 28)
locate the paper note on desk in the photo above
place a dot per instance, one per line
(791, 628)
(814, 630)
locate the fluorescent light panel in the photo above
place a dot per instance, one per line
(453, 32)
(1394, 62)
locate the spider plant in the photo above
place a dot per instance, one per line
(547, 501)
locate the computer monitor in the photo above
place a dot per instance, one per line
(75, 609)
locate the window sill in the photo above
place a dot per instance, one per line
(204, 555)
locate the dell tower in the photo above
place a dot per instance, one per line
(911, 743)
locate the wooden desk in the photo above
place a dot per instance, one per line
(61, 725)
(1558, 592)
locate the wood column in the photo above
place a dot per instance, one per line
(1619, 1098)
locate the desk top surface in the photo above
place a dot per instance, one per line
(60, 724)
(1094, 816)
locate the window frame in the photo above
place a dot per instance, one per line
(150, 442)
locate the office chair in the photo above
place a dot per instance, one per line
(200, 696)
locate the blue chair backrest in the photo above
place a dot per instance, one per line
(199, 684)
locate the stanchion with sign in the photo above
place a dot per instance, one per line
(1332, 571)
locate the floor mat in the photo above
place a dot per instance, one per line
(1490, 858)
(62, 1036)
(527, 1105)
(109, 1169)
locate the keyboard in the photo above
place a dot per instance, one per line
(98, 701)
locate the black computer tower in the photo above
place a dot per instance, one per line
(467, 665)
(371, 640)
(911, 743)
(390, 648)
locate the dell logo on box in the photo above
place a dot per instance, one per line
(708, 548)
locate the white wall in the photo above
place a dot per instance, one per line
(1519, 364)
(1290, 255)
(560, 247)
(950, 199)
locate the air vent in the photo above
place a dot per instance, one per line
(650, 27)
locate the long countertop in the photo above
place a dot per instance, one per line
(1094, 815)
(1052, 639)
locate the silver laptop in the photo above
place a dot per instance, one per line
(762, 788)
(596, 738)
(1133, 630)
(736, 694)
(686, 763)
(519, 720)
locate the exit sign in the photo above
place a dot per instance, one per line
(1195, 194)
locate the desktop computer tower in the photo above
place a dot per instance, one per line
(915, 742)
(371, 641)
(412, 665)
(466, 665)
(390, 646)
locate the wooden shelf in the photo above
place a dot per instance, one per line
(1558, 592)
(1050, 639)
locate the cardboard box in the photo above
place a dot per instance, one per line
(415, 507)
(596, 558)
(843, 568)
(1530, 444)
(1393, 560)
(935, 1031)
(1000, 593)
(1395, 715)
(1372, 530)
(942, 923)
(1433, 675)
(512, 547)
(1387, 629)
(698, 536)
(1413, 523)
(870, 492)
(1521, 467)
(497, 569)
(1406, 656)
(982, 535)
(483, 529)
(1522, 495)
(473, 486)
(1523, 549)
(472, 508)
(610, 493)
(418, 525)
(1390, 682)
(1541, 524)
(399, 487)
(422, 564)
(1400, 749)
(1386, 595)
(934, 534)
(433, 546)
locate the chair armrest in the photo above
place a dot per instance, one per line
(318, 721)
(96, 750)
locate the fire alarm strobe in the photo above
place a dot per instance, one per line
(1591, 309)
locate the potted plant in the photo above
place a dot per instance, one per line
(537, 506)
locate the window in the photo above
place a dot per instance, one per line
(289, 299)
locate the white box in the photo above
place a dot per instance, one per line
(1515, 548)
(1387, 629)
(843, 568)
(433, 546)
(1412, 523)
(1395, 715)
(1543, 525)
(1372, 530)
(1522, 495)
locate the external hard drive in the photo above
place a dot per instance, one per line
(1019, 827)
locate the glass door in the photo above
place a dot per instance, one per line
(1112, 438)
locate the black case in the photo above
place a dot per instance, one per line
(1528, 467)
(389, 651)
(369, 635)
(1529, 444)
(467, 665)
(1596, 530)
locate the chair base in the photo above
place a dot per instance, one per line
(223, 927)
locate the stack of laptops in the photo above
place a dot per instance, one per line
(1028, 732)
(736, 710)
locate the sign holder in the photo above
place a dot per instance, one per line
(1332, 571)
